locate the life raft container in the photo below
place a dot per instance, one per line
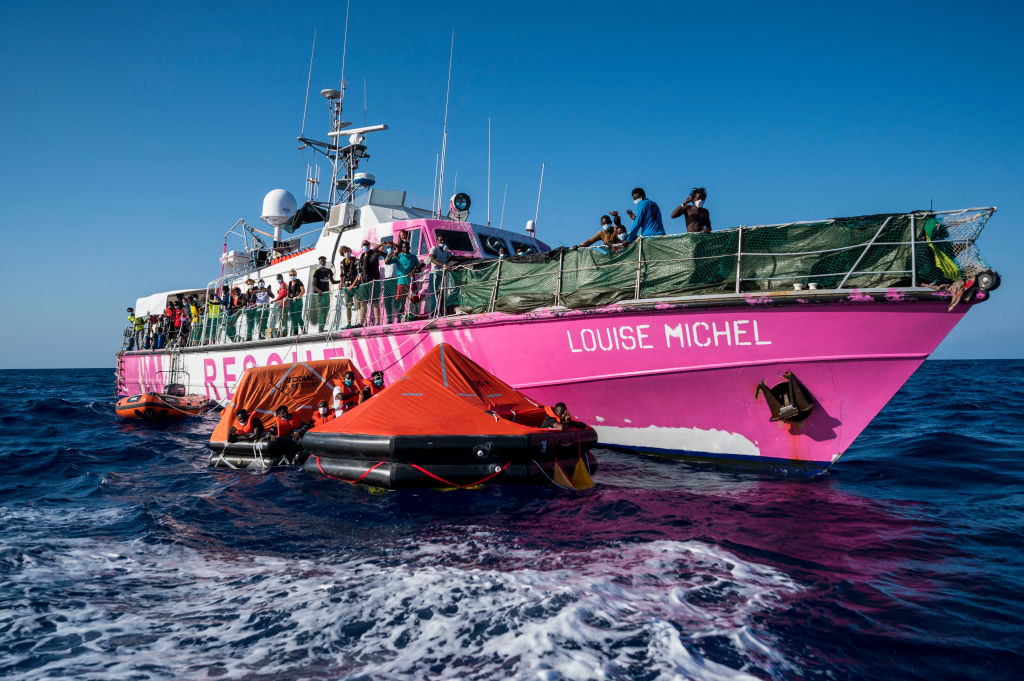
(453, 460)
(261, 454)
(154, 406)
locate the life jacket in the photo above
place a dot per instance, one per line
(320, 420)
(247, 428)
(347, 400)
(286, 427)
(563, 419)
(373, 389)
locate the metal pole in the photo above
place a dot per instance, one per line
(739, 257)
(558, 291)
(494, 291)
(639, 265)
(864, 252)
(913, 251)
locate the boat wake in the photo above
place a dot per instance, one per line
(471, 607)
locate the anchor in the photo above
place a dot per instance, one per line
(788, 401)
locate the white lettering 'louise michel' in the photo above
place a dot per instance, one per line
(689, 335)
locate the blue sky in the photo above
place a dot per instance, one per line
(133, 135)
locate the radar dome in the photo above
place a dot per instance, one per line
(278, 206)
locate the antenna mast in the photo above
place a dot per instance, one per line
(305, 106)
(539, 190)
(444, 135)
(344, 49)
(488, 171)
(502, 220)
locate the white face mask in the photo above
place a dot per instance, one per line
(323, 411)
(698, 203)
(636, 201)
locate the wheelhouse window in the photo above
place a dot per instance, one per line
(490, 244)
(524, 248)
(456, 241)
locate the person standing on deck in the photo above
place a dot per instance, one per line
(369, 284)
(323, 277)
(295, 292)
(698, 219)
(647, 219)
(349, 281)
(439, 258)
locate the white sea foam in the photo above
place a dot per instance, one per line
(464, 606)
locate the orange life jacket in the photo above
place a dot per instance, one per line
(319, 420)
(349, 400)
(563, 419)
(285, 427)
(247, 428)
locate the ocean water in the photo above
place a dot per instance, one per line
(123, 556)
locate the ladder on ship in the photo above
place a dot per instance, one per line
(119, 375)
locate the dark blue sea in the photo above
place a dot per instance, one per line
(123, 556)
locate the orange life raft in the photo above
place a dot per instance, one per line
(448, 422)
(173, 403)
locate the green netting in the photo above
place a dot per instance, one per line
(874, 251)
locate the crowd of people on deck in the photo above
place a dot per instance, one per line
(647, 220)
(377, 285)
(156, 331)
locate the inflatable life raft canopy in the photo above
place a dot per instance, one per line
(444, 393)
(451, 422)
(298, 386)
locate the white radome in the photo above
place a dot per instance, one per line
(278, 206)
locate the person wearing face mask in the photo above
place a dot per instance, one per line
(406, 265)
(262, 308)
(247, 428)
(349, 282)
(647, 219)
(376, 385)
(323, 277)
(369, 283)
(323, 414)
(389, 281)
(278, 307)
(698, 219)
(287, 425)
(295, 292)
(346, 395)
(609, 234)
(439, 258)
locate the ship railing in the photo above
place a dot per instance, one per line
(908, 250)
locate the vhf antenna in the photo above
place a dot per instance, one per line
(302, 132)
(444, 134)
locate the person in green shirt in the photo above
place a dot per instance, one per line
(406, 264)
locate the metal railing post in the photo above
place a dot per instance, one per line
(558, 289)
(494, 291)
(639, 266)
(739, 257)
(864, 252)
(913, 251)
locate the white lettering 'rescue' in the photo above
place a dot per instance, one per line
(698, 334)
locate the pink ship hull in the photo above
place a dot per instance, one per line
(674, 378)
